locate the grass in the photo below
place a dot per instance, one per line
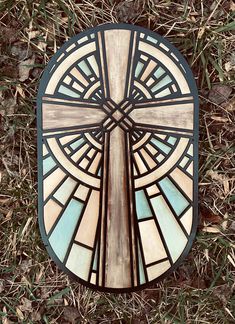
(32, 289)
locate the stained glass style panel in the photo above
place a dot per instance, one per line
(117, 157)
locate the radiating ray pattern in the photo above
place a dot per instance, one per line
(117, 144)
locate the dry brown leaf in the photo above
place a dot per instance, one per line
(8, 34)
(219, 93)
(42, 46)
(1, 286)
(9, 214)
(21, 51)
(211, 229)
(4, 201)
(70, 314)
(201, 32)
(20, 314)
(208, 216)
(25, 231)
(45, 293)
(25, 67)
(232, 6)
(231, 260)
(230, 105)
(5, 320)
(229, 312)
(36, 316)
(20, 91)
(206, 253)
(25, 266)
(230, 64)
(9, 71)
(7, 106)
(211, 218)
(224, 224)
(220, 178)
(127, 10)
(40, 274)
(223, 293)
(33, 33)
(26, 305)
(220, 119)
(232, 226)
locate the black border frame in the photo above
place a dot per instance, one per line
(194, 91)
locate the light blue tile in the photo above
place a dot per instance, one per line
(184, 161)
(159, 72)
(63, 232)
(190, 150)
(79, 261)
(64, 90)
(141, 268)
(84, 67)
(172, 140)
(175, 197)
(173, 234)
(166, 80)
(166, 149)
(163, 93)
(76, 144)
(160, 157)
(94, 267)
(142, 207)
(138, 69)
(48, 164)
(65, 190)
(151, 39)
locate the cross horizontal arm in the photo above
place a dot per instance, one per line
(168, 114)
(58, 114)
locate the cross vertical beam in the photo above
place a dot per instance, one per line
(118, 243)
(118, 251)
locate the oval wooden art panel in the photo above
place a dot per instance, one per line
(117, 157)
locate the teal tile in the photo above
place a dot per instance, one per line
(79, 261)
(77, 143)
(142, 206)
(94, 267)
(65, 190)
(159, 72)
(166, 149)
(166, 80)
(48, 164)
(163, 93)
(64, 90)
(63, 232)
(172, 140)
(184, 161)
(84, 67)
(190, 150)
(175, 197)
(160, 157)
(138, 69)
(172, 232)
(151, 39)
(141, 267)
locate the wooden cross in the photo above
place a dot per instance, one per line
(117, 117)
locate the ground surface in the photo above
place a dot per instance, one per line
(32, 289)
